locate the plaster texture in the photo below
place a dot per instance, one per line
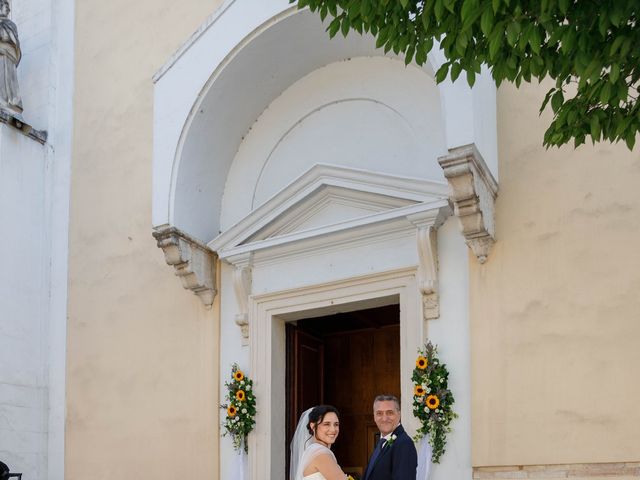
(142, 381)
(554, 311)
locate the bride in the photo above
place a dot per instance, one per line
(311, 457)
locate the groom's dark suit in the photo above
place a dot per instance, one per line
(397, 461)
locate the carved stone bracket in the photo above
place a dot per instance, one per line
(193, 261)
(242, 282)
(427, 242)
(472, 190)
(428, 271)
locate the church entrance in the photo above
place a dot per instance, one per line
(344, 360)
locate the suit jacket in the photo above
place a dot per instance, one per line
(397, 461)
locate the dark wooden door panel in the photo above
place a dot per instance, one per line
(329, 361)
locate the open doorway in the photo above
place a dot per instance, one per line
(344, 360)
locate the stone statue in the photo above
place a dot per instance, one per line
(10, 55)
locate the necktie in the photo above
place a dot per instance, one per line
(374, 456)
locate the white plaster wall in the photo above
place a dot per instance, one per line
(451, 333)
(369, 113)
(23, 304)
(34, 21)
(34, 207)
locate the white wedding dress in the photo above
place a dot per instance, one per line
(315, 476)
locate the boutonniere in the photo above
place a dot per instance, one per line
(392, 439)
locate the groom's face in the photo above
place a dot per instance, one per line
(386, 415)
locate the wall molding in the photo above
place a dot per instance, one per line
(573, 470)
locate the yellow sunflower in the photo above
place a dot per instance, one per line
(240, 395)
(421, 362)
(433, 402)
(418, 391)
(238, 375)
(231, 411)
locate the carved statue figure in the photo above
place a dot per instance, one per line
(10, 56)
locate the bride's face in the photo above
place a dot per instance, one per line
(327, 430)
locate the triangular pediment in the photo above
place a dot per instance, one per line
(326, 199)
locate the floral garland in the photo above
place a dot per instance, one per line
(432, 400)
(241, 408)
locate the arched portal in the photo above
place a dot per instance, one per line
(323, 175)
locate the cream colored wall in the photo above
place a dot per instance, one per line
(142, 387)
(554, 311)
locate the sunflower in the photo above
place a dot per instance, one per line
(231, 411)
(418, 391)
(238, 375)
(433, 402)
(421, 362)
(240, 395)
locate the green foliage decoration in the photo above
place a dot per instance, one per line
(240, 408)
(432, 400)
(590, 48)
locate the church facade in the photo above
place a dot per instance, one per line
(244, 190)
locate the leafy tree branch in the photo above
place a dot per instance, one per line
(590, 48)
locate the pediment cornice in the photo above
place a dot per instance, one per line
(362, 199)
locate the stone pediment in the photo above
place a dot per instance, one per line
(329, 199)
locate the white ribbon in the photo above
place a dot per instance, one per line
(424, 459)
(240, 462)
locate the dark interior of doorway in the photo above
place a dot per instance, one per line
(344, 360)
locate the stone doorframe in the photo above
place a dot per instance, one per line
(268, 315)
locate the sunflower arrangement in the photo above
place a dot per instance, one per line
(432, 399)
(240, 408)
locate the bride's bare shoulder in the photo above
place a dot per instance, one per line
(326, 464)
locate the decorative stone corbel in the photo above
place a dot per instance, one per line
(473, 191)
(428, 271)
(193, 261)
(242, 281)
(427, 242)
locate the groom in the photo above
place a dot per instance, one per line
(394, 457)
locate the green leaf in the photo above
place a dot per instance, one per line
(496, 5)
(486, 21)
(409, 55)
(512, 33)
(471, 77)
(614, 74)
(605, 93)
(456, 68)
(556, 101)
(438, 10)
(535, 40)
(441, 74)
(494, 45)
(345, 26)
(630, 139)
(594, 123)
(616, 44)
(564, 6)
(404, 3)
(334, 26)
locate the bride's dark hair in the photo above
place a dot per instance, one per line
(316, 415)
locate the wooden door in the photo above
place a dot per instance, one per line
(358, 366)
(344, 360)
(304, 377)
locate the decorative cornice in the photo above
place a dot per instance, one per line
(193, 261)
(472, 190)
